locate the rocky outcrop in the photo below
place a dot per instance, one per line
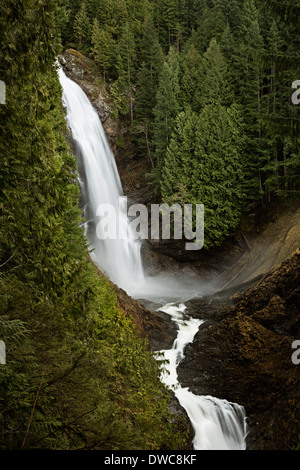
(84, 72)
(243, 353)
(154, 326)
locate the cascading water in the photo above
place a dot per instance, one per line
(101, 185)
(217, 423)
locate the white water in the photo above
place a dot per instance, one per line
(100, 183)
(217, 423)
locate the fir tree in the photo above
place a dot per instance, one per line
(251, 79)
(102, 47)
(179, 168)
(148, 76)
(190, 83)
(214, 78)
(203, 165)
(166, 110)
(147, 84)
(82, 28)
(126, 62)
(211, 25)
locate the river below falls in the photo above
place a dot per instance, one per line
(217, 424)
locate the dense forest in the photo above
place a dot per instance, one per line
(205, 87)
(77, 374)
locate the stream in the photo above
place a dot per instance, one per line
(217, 424)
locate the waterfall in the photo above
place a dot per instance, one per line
(218, 424)
(101, 185)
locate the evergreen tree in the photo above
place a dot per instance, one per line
(126, 62)
(204, 165)
(251, 80)
(166, 110)
(166, 16)
(190, 14)
(211, 25)
(151, 63)
(102, 48)
(214, 78)
(281, 119)
(82, 28)
(231, 10)
(230, 49)
(180, 166)
(147, 84)
(190, 83)
(171, 18)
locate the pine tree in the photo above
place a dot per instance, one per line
(214, 78)
(190, 14)
(82, 28)
(211, 26)
(231, 11)
(170, 15)
(126, 63)
(166, 109)
(102, 48)
(190, 82)
(230, 50)
(251, 80)
(166, 15)
(151, 53)
(148, 75)
(180, 164)
(204, 165)
(281, 119)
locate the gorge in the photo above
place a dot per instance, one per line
(217, 424)
(239, 269)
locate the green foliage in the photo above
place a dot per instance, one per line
(190, 81)
(102, 47)
(225, 52)
(214, 78)
(167, 105)
(78, 375)
(82, 28)
(165, 113)
(203, 166)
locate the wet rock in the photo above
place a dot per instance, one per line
(242, 353)
(83, 71)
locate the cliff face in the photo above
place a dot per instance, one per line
(243, 352)
(84, 72)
